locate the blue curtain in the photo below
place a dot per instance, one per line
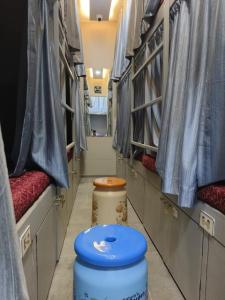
(153, 89)
(79, 125)
(151, 7)
(122, 137)
(42, 142)
(12, 279)
(99, 105)
(139, 99)
(211, 162)
(193, 130)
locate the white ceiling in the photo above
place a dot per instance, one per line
(100, 7)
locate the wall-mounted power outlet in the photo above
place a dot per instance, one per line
(207, 222)
(25, 240)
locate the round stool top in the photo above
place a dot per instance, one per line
(110, 246)
(110, 182)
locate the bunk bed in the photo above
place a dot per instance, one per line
(193, 253)
(40, 128)
(28, 187)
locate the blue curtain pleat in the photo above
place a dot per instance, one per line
(190, 146)
(79, 125)
(43, 139)
(12, 279)
(122, 135)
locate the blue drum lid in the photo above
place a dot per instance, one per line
(110, 246)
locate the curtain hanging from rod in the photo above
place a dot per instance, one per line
(122, 137)
(74, 37)
(120, 62)
(135, 15)
(79, 125)
(153, 89)
(72, 22)
(192, 134)
(12, 279)
(139, 99)
(211, 163)
(151, 7)
(42, 142)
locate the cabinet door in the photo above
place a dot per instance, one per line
(185, 253)
(135, 189)
(46, 254)
(61, 219)
(178, 239)
(152, 212)
(30, 270)
(215, 284)
(70, 193)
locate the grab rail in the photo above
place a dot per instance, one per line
(154, 53)
(147, 104)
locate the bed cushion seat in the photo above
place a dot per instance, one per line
(149, 162)
(26, 189)
(214, 195)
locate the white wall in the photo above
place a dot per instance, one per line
(99, 123)
(98, 43)
(100, 159)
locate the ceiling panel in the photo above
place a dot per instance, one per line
(100, 7)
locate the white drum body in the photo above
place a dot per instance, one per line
(109, 206)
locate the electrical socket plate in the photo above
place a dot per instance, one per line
(25, 240)
(207, 222)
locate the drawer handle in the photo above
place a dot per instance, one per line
(169, 209)
(60, 200)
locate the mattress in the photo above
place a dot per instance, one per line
(214, 195)
(26, 189)
(148, 162)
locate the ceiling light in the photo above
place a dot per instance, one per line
(98, 72)
(105, 73)
(114, 3)
(91, 73)
(85, 8)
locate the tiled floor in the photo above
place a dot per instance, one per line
(162, 286)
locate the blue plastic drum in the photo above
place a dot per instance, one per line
(110, 264)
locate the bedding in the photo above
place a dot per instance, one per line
(214, 195)
(148, 162)
(26, 189)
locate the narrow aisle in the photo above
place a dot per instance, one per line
(161, 284)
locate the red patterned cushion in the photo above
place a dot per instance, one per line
(26, 189)
(70, 154)
(148, 162)
(214, 195)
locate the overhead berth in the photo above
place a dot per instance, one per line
(135, 20)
